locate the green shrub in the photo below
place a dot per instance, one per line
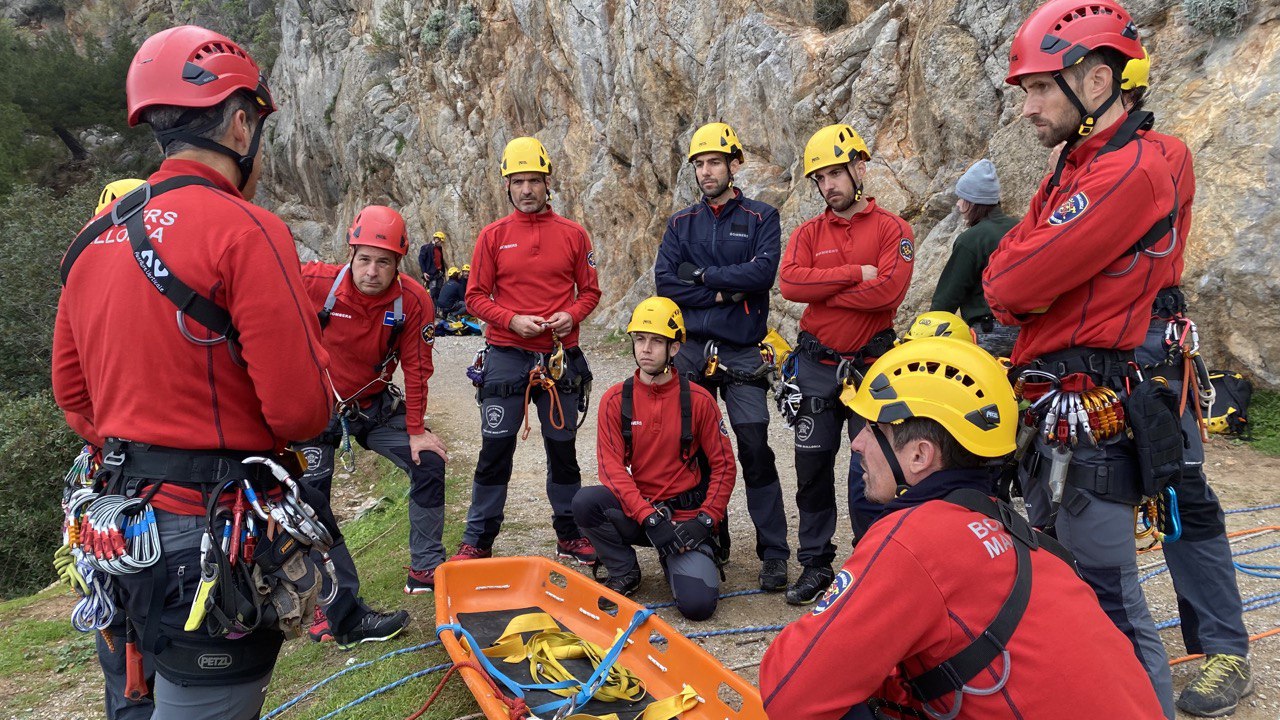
(1216, 17)
(37, 448)
(830, 14)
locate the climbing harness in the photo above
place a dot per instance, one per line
(627, 415)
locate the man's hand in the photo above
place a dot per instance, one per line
(527, 326)
(426, 441)
(561, 323)
(690, 273)
(662, 533)
(693, 532)
(869, 272)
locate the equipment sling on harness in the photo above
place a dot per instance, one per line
(686, 420)
(129, 212)
(954, 674)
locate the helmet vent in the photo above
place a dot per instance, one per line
(217, 48)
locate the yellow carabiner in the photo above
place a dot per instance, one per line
(555, 362)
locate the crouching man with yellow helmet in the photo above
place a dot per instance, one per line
(936, 568)
(667, 469)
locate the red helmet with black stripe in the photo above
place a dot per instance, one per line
(1060, 33)
(381, 227)
(189, 66)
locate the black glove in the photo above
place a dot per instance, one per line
(662, 533)
(693, 532)
(690, 273)
(732, 299)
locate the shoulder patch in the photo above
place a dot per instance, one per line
(1073, 208)
(591, 258)
(723, 430)
(906, 249)
(429, 334)
(842, 582)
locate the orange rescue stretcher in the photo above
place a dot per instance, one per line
(533, 639)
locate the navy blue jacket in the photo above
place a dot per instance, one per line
(739, 251)
(452, 298)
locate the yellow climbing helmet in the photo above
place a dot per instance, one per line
(956, 384)
(113, 191)
(834, 145)
(466, 267)
(453, 271)
(439, 236)
(1137, 72)
(716, 137)
(660, 316)
(525, 154)
(939, 323)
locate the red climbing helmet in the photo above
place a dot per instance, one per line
(189, 66)
(1060, 32)
(381, 227)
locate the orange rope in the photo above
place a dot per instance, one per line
(1252, 638)
(538, 377)
(1237, 533)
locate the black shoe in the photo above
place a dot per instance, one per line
(813, 581)
(373, 627)
(1216, 691)
(773, 575)
(624, 585)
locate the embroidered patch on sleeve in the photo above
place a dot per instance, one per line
(591, 258)
(906, 249)
(844, 579)
(1073, 208)
(429, 334)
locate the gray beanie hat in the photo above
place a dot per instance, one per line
(979, 184)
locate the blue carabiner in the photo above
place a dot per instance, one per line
(1172, 518)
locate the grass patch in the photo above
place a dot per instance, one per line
(1264, 421)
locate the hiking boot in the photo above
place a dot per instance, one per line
(579, 549)
(1216, 691)
(773, 575)
(813, 581)
(373, 627)
(420, 581)
(319, 630)
(470, 552)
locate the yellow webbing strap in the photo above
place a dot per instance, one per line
(665, 709)
(510, 646)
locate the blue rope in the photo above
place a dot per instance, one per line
(1238, 553)
(1257, 602)
(1252, 509)
(306, 693)
(739, 593)
(387, 688)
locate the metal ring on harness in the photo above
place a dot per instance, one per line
(203, 342)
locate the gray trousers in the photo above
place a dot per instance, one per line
(820, 425)
(506, 375)
(692, 575)
(1200, 564)
(1099, 532)
(748, 412)
(381, 428)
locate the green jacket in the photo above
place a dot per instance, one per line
(960, 285)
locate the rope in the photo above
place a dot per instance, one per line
(386, 688)
(1257, 602)
(1252, 509)
(1247, 551)
(538, 378)
(516, 708)
(1252, 638)
(309, 691)
(739, 593)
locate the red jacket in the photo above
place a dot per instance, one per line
(122, 369)
(1071, 235)
(1184, 181)
(656, 472)
(822, 266)
(532, 265)
(357, 334)
(921, 583)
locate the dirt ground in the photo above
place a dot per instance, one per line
(1242, 477)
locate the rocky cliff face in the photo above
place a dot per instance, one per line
(408, 103)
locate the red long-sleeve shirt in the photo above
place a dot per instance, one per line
(656, 471)
(822, 266)
(121, 368)
(1071, 236)
(1178, 156)
(919, 586)
(532, 265)
(357, 334)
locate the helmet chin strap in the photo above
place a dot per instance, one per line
(666, 366)
(1088, 122)
(890, 457)
(183, 132)
(857, 187)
